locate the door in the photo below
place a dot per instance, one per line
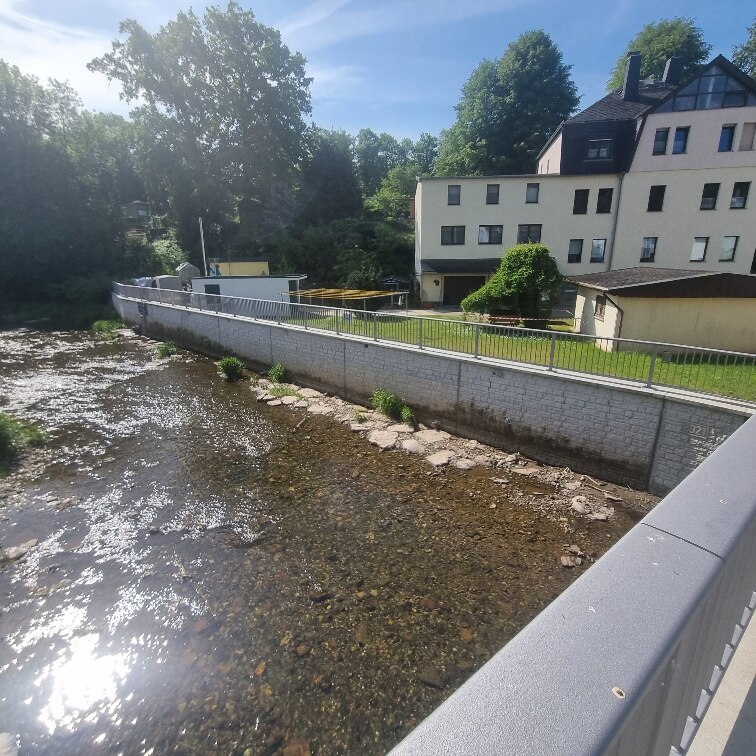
(456, 288)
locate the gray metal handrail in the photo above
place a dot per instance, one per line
(699, 369)
(627, 659)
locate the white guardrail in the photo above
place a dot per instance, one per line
(706, 371)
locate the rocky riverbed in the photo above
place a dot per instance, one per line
(190, 570)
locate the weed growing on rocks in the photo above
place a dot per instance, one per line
(277, 373)
(232, 368)
(15, 436)
(165, 349)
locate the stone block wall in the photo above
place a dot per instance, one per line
(624, 433)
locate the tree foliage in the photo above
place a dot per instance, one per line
(657, 43)
(526, 276)
(396, 192)
(376, 155)
(225, 98)
(508, 110)
(744, 56)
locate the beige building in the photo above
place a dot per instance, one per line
(657, 174)
(238, 266)
(689, 307)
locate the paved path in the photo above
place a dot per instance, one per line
(729, 727)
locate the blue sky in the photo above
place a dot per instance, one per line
(388, 65)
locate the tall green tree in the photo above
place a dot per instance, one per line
(225, 96)
(424, 153)
(660, 41)
(508, 109)
(393, 198)
(376, 155)
(744, 56)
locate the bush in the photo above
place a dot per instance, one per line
(165, 349)
(106, 328)
(406, 415)
(277, 373)
(15, 436)
(232, 368)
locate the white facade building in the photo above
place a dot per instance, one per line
(657, 174)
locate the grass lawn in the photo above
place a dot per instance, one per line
(710, 374)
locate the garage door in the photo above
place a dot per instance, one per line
(456, 288)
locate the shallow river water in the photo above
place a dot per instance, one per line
(210, 580)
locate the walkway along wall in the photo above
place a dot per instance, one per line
(645, 438)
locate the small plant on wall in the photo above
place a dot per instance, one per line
(391, 405)
(277, 373)
(232, 368)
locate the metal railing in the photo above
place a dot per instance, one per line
(706, 371)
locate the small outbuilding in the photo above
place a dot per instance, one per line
(692, 307)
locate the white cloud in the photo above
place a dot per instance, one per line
(49, 50)
(335, 82)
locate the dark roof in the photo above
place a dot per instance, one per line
(669, 282)
(613, 108)
(464, 265)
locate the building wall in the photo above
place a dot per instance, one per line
(681, 219)
(553, 212)
(714, 323)
(551, 160)
(587, 323)
(259, 268)
(703, 141)
(260, 287)
(630, 435)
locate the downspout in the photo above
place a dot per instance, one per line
(621, 315)
(616, 220)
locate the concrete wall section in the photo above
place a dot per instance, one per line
(623, 433)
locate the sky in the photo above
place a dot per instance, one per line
(389, 65)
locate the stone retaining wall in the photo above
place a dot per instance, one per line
(645, 438)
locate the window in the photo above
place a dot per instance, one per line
(575, 253)
(698, 253)
(452, 234)
(528, 234)
(531, 193)
(660, 141)
(709, 196)
(648, 252)
(599, 308)
(604, 201)
(729, 245)
(212, 288)
(454, 194)
(739, 195)
(747, 134)
(680, 145)
(598, 246)
(656, 198)
(599, 149)
(715, 90)
(580, 203)
(492, 194)
(727, 137)
(489, 234)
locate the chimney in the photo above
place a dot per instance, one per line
(672, 71)
(632, 77)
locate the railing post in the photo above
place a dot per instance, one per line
(338, 331)
(375, 326)
(650, 380)
(551, 353)
(420, 332)
(477, 341)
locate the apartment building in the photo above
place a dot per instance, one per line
(656, 174)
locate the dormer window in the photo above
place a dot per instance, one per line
(710, 91)
(599, 149)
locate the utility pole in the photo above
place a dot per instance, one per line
(202, 241)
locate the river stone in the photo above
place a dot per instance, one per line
(413, 446)
(482, 460)
(383, 439)
(580, 504)
(440, 458)
(431, 436)
(401, 428)
(431, 677)
(319, 409)
(289, 400)
(275, 403)
(464, 464)
(16, 552)
(309, 393)
(297, 747)
(526, 470)
(301, 404)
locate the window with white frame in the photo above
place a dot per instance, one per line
(648, 250)
(698, 253)
(729, 245)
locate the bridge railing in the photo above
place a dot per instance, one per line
(707, 371)
(626, 660)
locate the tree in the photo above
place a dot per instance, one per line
(526, 276)
(330, 189)
(744, 56)
(225, 96)
(424, 153)
(397, 190)
(659, 42)
(376, 155)
(508, 110)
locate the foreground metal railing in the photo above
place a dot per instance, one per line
(707, 371)
(626, 660)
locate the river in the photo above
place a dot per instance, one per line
(208, 579)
